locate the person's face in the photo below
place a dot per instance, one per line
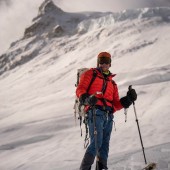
(104, 63)
(104, 67)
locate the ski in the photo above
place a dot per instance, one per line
(151, 166)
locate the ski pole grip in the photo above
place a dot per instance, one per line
(130, 88)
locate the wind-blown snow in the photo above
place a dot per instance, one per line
(38, 73)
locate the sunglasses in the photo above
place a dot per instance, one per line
(104, 60)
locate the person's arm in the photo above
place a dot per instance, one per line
(116, 101)
(125, 101)
(84, 82)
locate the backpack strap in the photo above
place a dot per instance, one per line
(92, 80)
(104, 90)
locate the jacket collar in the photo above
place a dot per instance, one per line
(110, 75)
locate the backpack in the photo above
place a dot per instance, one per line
(80, 109)
(77, 107)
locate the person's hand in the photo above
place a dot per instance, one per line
(83, 98)
(127, 100)
(132, 95)
(92, 100)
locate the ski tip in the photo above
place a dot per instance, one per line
(150, 166)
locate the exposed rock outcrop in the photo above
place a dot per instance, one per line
(47, 22)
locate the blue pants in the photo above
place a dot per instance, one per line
(104, 123)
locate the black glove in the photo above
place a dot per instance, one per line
(129, 98)
(83, 98)
(132, 94)
(92, 100)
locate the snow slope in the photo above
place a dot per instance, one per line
(38, 73)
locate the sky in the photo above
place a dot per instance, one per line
(16, 15)
(109, 5)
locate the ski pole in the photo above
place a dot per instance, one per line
(130, 87)
(95, 136)
(95, 128)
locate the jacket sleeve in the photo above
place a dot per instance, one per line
(116, 100)
(84, 82)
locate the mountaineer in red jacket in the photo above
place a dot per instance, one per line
(97, 90)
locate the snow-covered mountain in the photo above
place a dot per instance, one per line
(37, 77)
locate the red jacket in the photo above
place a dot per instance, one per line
(111, 94)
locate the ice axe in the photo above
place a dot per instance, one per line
(130, 88)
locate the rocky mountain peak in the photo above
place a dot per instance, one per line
(48, 6)
(48, 22)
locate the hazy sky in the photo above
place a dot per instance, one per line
(108, 5)
(16, 15)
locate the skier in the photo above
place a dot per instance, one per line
(101, 101)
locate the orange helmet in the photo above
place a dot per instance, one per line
(103, 55)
